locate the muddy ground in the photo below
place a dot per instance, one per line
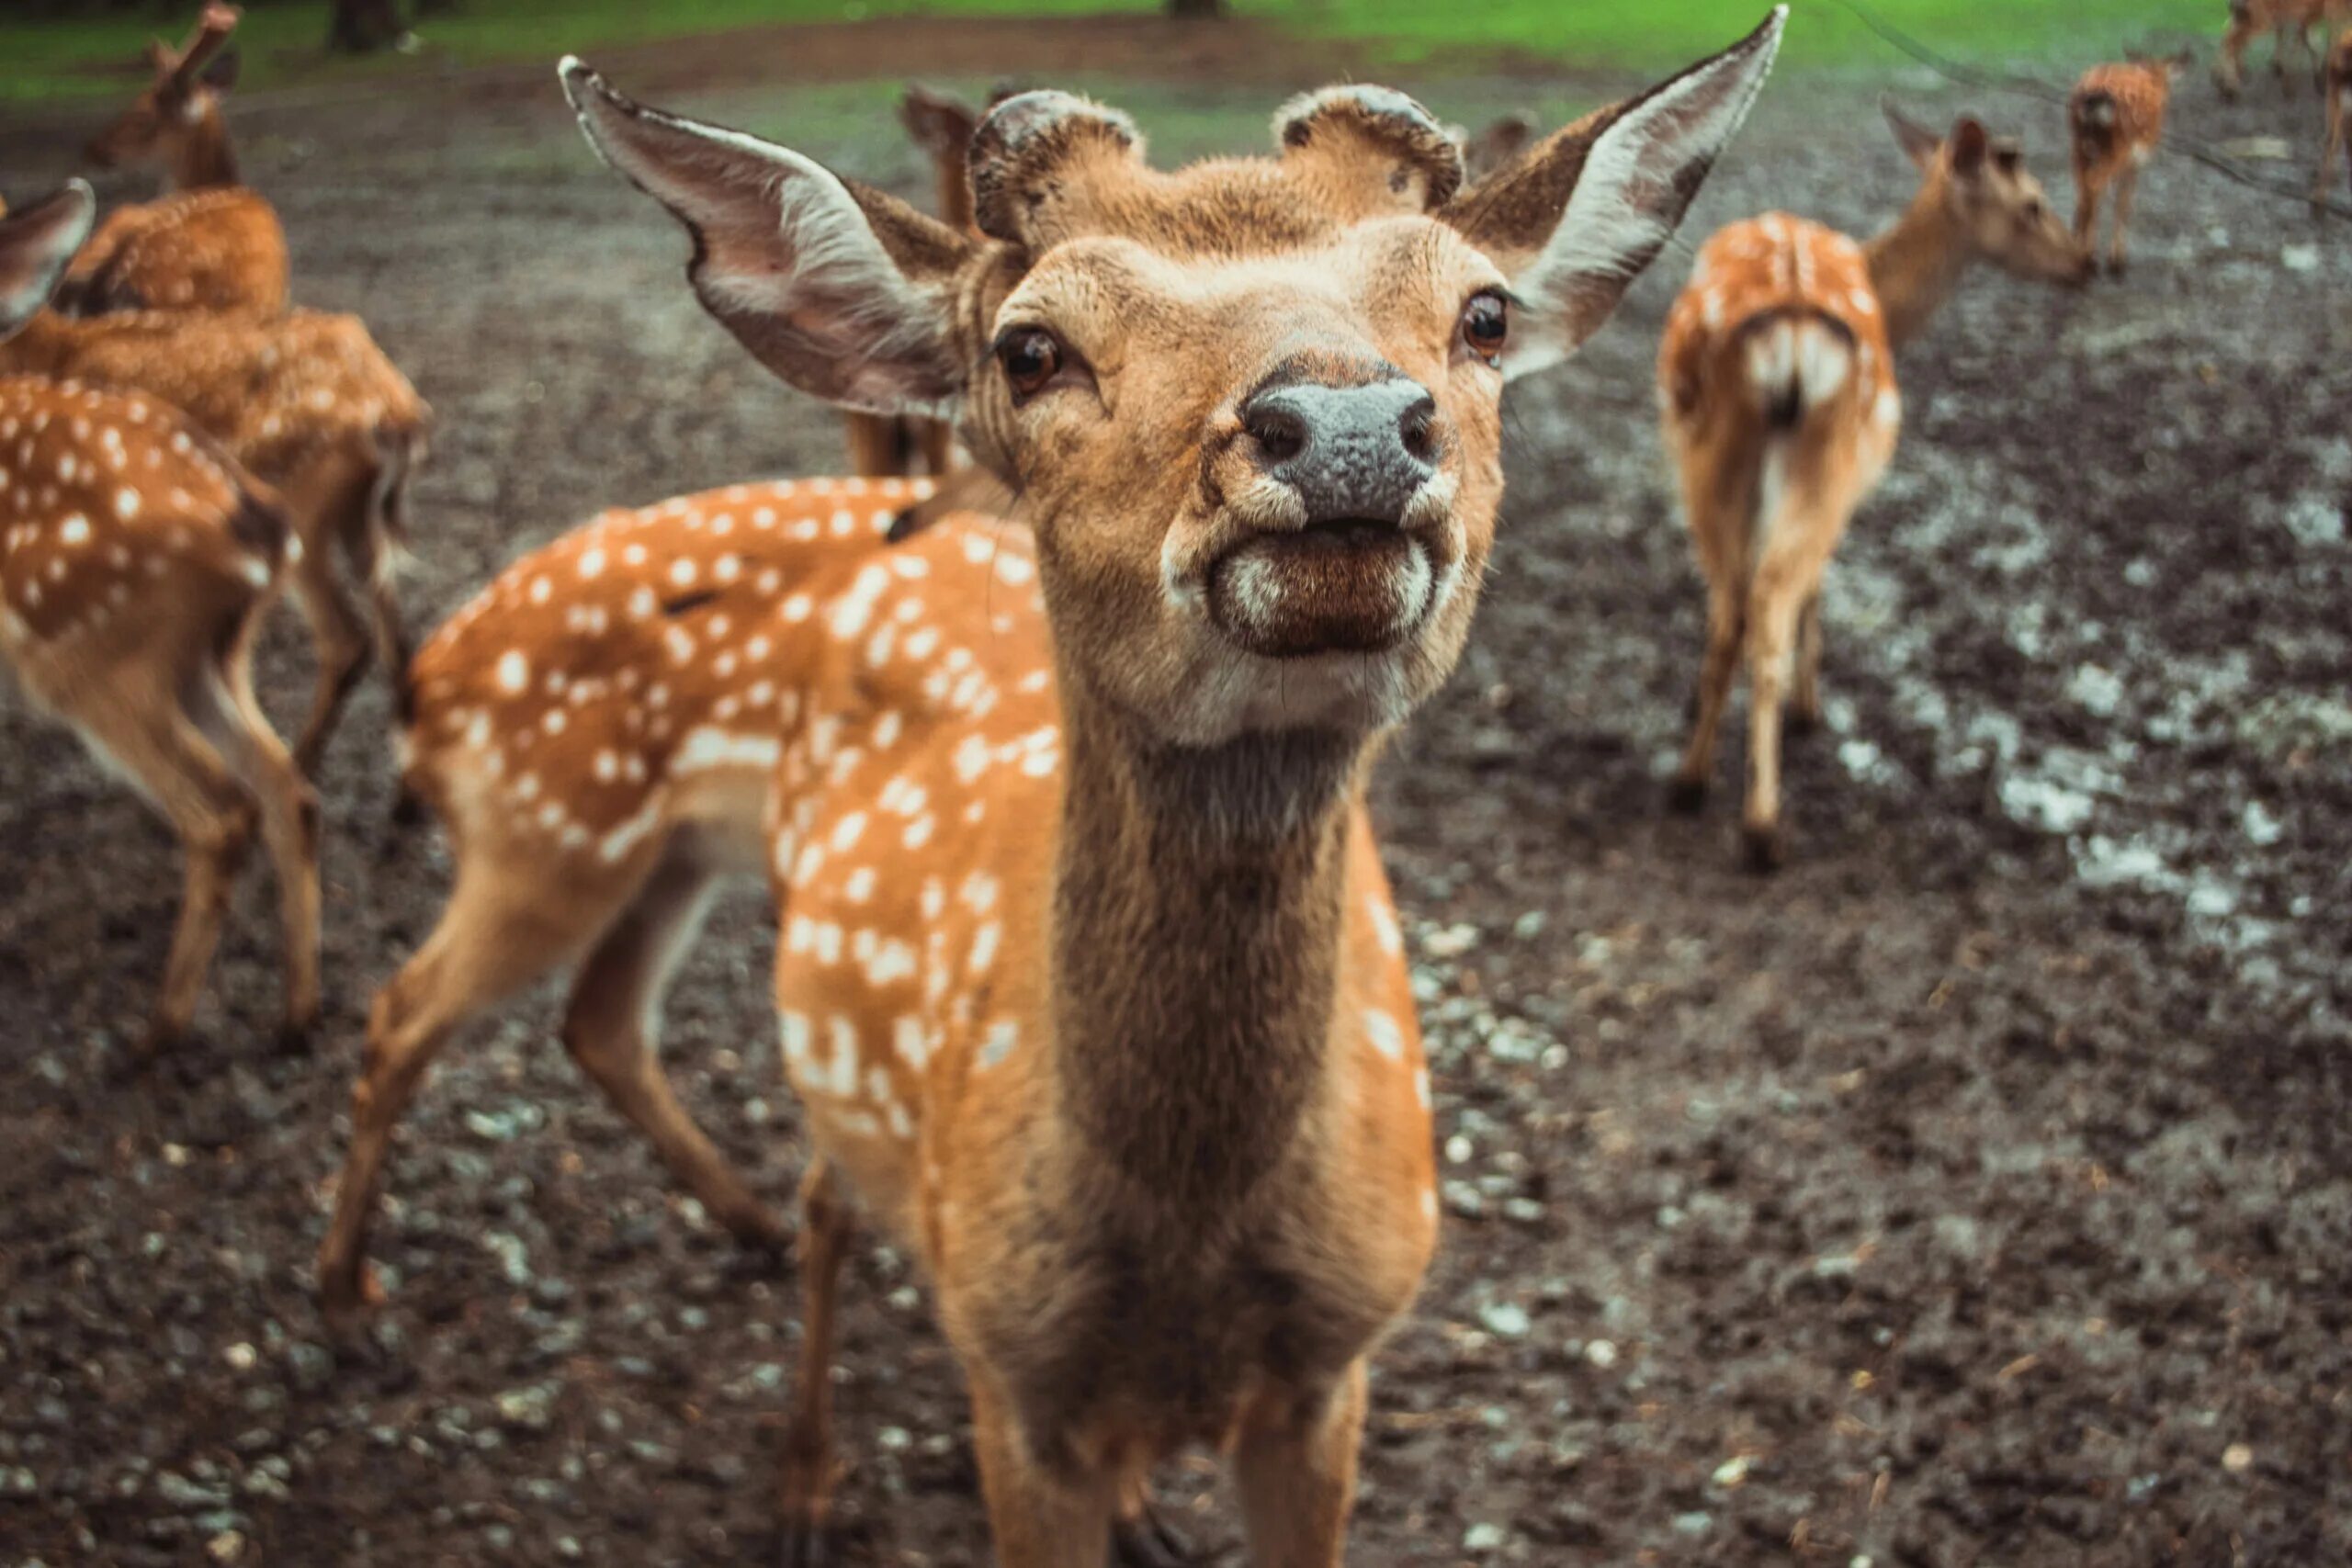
(1975, 1192)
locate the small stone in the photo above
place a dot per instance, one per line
(1505, 1320)
(1732, 1471)
(1602, 1353)
(240, 1357)
(2238, 1459)
(1451, 942)
(1694, 1523)
(228, 1546)
(1483, 1538)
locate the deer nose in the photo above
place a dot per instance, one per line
(1351, 453)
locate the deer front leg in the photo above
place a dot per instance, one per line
(807, 1482)
(2126, 188)
(2088, 187)
(1041, 1515)
(2228, 65)
(1296, 1473)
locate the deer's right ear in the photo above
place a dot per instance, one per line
(1573, 221)
(843, 292)
(35, 244)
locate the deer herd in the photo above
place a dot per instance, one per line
(1053, 758)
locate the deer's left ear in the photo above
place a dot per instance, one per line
(843, 290)
(35, 246)
(1574, 220)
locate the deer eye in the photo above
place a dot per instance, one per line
(1485, 325)
(2035, 209)
(1031, 358)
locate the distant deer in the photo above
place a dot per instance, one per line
(1090, 977)
(1497, 143)
(311, 405)
(2287, 21)
(2115, 118)
(1777, 388)
(2339, 114)
(882, 445)
(214, 245)
(136, 561)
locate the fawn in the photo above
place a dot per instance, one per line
(2339, 114)
(1090, 978)
(885, 444)
(2286, 21)
(136, 561)
(1777, 392)
(214, 243)
(309, 404)
(2115, 118)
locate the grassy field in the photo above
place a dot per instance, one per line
(43, 60)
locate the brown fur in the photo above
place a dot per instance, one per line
(214, 245)
(2115, 120)
(2339, 131)
(1780, 404)
(1161, 1136)
(2288, 22)
(309, 404)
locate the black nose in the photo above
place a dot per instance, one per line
(1349, 452)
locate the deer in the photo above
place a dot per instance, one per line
(2115, 120)
(1494, 144)
(2286, 21)
(882, 445)
(1089, 976)
(137, 561)
(1780, 409)
(2339, 117)
(311, 405)
(214, 243)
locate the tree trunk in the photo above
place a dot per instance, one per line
(362, 27)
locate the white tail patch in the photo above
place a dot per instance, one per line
(1796, 365)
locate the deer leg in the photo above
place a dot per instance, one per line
(612, 1027)
(807, 1481)
(2127, 186)
(2228, 65)
(149, 734)
(2279, 55)
(1039, 1517)
(1296, 1476)
(290, 817)
(1720, 663)
(1771, 632)
(341, 639)
(491, 943)
(2088, 187)
(1804, 697)
(2329, 151)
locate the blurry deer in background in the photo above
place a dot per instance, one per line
(2338, 84)
(2286, 21)
(2115, 118)
(1090, 977)
(136, 561)
(882, 445)
(1776, 385)
(1502, 140)
(309, 404)
(214, 245)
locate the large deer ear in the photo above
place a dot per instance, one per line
(1575, 219)
(842, 290)
(35, 245)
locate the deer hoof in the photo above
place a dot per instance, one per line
(1767, 846)
(1147, 1541)
(1687, 796)
(1800, 721)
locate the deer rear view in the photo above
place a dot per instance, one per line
(309, 404)
(2115, 120)
(136, 562)
(2286, 22)
(1777, 390)
(1090, 978)
(212, 245)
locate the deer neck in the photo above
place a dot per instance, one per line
(1194, 947)
(202, 159)
(1915, 265)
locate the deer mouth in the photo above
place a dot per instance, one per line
(1348, 585)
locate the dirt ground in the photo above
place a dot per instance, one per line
(1976, 1192)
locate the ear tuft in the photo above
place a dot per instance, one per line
(1370, 134)
(1970, 143)
(1024, 143)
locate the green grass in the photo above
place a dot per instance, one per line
(99, 55)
